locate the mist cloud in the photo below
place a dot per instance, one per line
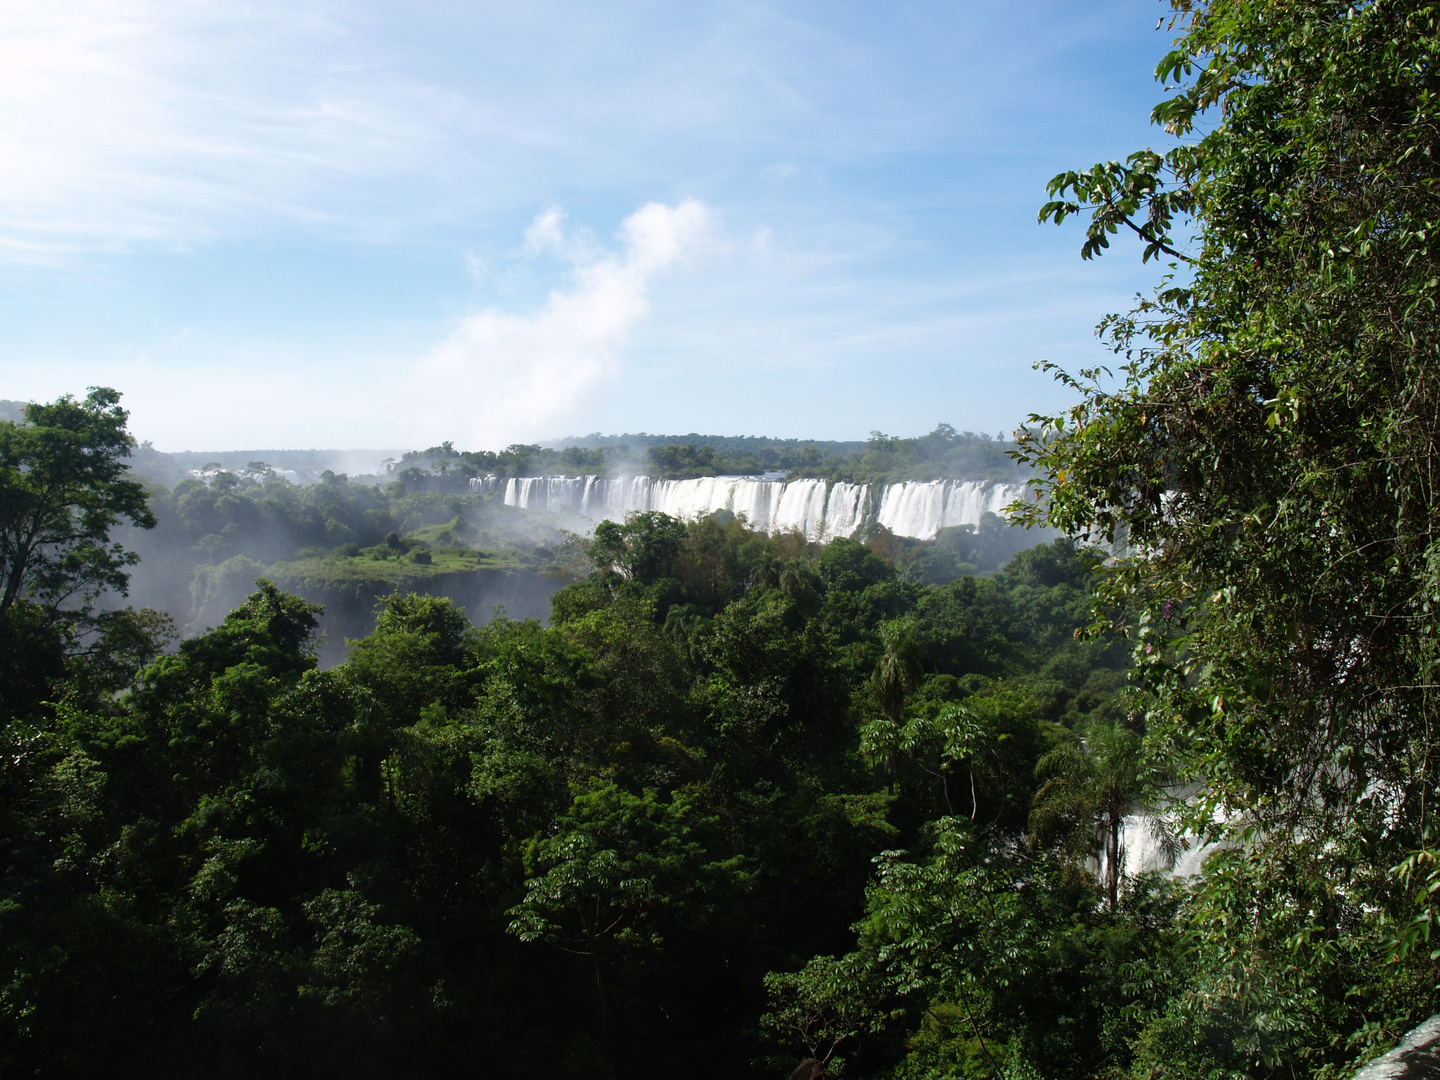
(520, 375)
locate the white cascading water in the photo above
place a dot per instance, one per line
(816, 508)
(1141, 851)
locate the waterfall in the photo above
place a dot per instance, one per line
(816, 508)
(922, 509)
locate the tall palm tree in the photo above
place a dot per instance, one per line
(1088, 786)
(898, 672)
(897, 675)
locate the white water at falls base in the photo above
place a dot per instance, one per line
(816, 508)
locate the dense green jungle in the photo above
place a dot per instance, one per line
(741, 805)
(585, 844)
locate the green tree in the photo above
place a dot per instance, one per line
(948, 737)
(620, 879)
(642, 550)
(1003, 966)
(850, 566)
(898, 671)
(63, 486)
(1088, 787)
(825, 1005)
(415, 656)
(1266, 456)
(897, 675)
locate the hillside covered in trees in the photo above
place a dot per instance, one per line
(584, 845)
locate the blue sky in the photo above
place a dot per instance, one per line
(346, 224)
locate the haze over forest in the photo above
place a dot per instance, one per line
(226, 519)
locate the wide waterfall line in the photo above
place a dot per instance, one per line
(817, 508)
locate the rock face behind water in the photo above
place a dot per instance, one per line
(1416, 1058)
(816, 508)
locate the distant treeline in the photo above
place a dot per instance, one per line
(306, 465)
(730, 445)
(943, 454)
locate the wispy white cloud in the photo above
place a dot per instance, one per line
(546, 233)
(174, 122)
(499, 376)
(126, 121)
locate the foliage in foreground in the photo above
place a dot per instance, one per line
(577, 847)
(1267, 455)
